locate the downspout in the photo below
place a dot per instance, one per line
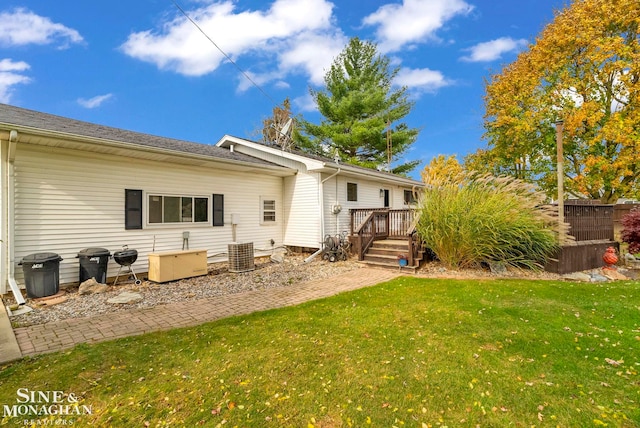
(321, 196)
(10, 218)
(338, 213)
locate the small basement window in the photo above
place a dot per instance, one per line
(178, 209)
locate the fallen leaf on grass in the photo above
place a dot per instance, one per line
(613, 362)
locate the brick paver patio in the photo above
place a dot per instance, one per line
(56, 336)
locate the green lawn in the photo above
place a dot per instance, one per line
(408, 353)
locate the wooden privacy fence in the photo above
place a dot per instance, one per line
(619, 211)
(593, 225)
(590, 222)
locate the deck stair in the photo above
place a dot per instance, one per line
(384, 253)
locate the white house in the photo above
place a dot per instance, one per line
(319, 197)
(68, 185)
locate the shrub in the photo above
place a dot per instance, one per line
(482, 218)
(631, 230)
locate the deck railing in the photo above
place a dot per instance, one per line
(368, 225)
(397, 222)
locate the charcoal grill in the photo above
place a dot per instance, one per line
(126, 258)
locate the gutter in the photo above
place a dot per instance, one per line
(84, 139)
(10, 219)
(373, 174)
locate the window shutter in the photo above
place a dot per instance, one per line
(218, 210)
(132, 209)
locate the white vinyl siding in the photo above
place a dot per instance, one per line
(68, 200)
(335, 193)
(369, 196)
(302, 211)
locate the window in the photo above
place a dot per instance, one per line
(218, 210)
(352, 192)
(268, 210)
(132, 209)
(409, 197)
(178, 209)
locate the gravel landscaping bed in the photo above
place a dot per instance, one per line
(218, 282)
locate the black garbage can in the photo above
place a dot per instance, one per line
(93, 264)
(41, 274)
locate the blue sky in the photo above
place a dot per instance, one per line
(142, 66)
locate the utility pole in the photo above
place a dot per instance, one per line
(560, 168)
(389, 145)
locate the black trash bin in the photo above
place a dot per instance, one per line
(93, 264)
(41, 274)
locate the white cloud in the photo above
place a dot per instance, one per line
(10, 76)
(413, 21)
(95, 101)
(281, 84)
(313, 53)
(7, 64)
(258, 79)
(23, 27)
(273, 34)
(494, 49)
(305, 103)
(423, 79)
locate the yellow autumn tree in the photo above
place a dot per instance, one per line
(442, 170)
(583, 70)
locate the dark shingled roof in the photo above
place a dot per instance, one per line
(328, 160)
(11, 115)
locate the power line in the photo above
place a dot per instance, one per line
(224, 53)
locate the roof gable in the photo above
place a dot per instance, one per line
(320, 163)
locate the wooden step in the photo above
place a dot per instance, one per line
(394, 244)
(408, 269)
(384, 253)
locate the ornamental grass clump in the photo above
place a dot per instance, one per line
(631, 230)
(470, 219)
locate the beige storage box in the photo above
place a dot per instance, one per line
(173, 265)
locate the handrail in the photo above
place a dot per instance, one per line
(364, 223)
(375, 225)
(413, 225)
(414, 247)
